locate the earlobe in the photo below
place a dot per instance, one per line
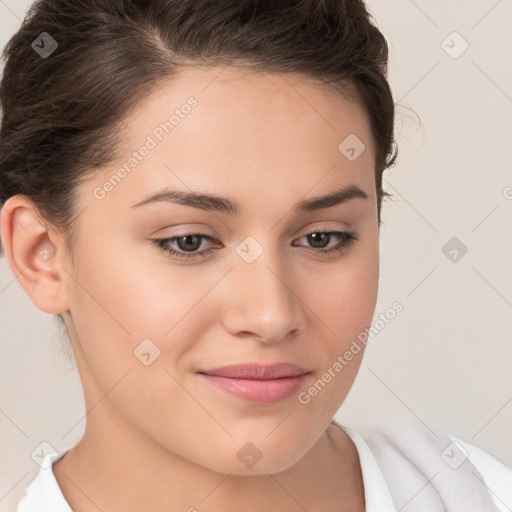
(33, 252)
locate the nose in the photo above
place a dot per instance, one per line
(262, 300)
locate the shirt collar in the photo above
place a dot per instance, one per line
(377, 494)
(44, 493)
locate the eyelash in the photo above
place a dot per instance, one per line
(347, 239)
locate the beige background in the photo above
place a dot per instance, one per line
(446, 358)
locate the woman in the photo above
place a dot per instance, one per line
(195, 188)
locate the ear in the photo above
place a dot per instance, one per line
(36, 254)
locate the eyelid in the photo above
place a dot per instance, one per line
(209, 232)
(187, 229)
(346, 240)
(324, 226)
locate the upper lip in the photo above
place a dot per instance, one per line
(257, 371)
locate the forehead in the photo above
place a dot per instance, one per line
(248, 132)
(229, 98)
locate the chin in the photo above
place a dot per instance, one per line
(253, 459)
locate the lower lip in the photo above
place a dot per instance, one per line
(261, 391)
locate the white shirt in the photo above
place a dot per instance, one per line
(406, 471)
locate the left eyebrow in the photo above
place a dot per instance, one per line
(334, 198)
(225, 205)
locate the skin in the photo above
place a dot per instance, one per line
(158, 437)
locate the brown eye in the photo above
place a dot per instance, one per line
(187, 243)
(320, 239)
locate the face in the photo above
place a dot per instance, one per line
(222, 287)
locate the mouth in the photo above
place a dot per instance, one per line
(258, 383)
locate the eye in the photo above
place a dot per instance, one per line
(189, 243)
(186, 243)
(321, 239)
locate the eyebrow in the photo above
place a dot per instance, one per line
(225, 205)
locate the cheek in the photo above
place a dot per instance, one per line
(345, 303)
(133, 296)
(111, 309)
(116, 308)
(121, 302)
(346, 296)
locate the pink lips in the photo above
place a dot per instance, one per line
(258, 383)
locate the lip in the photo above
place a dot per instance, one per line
(257, 371)
(256, 382)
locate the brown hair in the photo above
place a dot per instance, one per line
(61, 114)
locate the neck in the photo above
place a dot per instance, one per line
(117, 468)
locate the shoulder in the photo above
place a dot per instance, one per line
(455, 472)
